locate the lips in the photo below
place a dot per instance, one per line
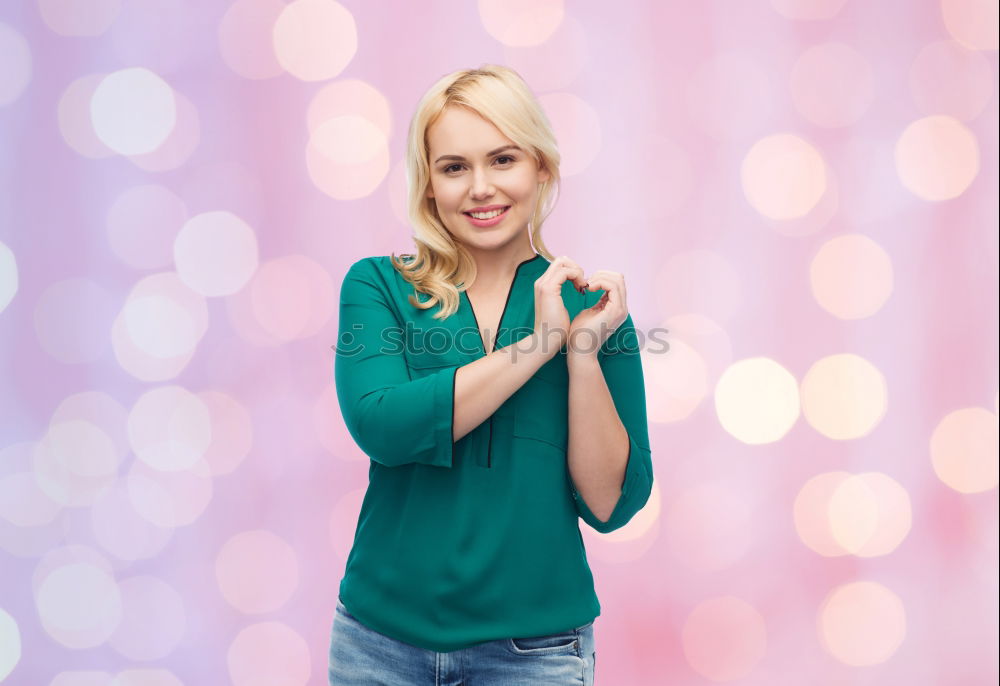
(492, 209)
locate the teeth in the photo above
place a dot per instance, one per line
(487, 215)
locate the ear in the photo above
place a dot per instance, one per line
(544, 175)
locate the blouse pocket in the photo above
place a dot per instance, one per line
(423, 363)
(541, 412)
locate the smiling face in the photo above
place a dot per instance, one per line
(472, 164)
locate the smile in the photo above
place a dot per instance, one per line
(491, 218)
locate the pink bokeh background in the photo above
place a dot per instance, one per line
(802, 193)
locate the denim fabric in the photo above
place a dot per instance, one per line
(360, 656)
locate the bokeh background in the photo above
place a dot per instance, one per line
(802, 192)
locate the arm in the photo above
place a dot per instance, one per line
(396, 420)
(610, 462)
(484, 385)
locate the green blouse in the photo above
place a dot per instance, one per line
(459, 543)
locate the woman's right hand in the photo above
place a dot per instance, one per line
(551, 317)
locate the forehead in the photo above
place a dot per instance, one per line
(460, 131)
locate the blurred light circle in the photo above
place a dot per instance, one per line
(73, 18)
(811, 513)
(83, 677)
(169, 428)
(937, 158)
(145, 597)
(8, 276)
(133, 111)
(155, 334)
(862, 623)
(832, 85)
(757, 400)
(869, 514)
(142, 224)
(73, 114)
(75, 462)
(521, 23)
(10, 644)
(245, 38)
(964, 449)
(256, 571)
(29, 522)
(724, 638)
(947, 78)
(853, 513)
(24, 503)
(178, 147)
(232, 432)
(215, 253)
(146, 318)
(79, 605)
(817, 218)
(289, 298)
(121, 530)
(843, 396)
(851, 276)
(100, 409)
(558, 62)
(808, 9)
(269, 653)
(352, 98)
(169, 499)
(972, 23)
(677, 382)
(15, 56)
(347, 157)
(146, 677)
(783, 176)
(315, 40)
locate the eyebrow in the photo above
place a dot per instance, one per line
(491, 153)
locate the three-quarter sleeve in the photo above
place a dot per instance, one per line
(394, 419)
(621, 363)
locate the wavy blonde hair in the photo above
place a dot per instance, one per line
(442, 267)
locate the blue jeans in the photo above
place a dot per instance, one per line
(360, 656)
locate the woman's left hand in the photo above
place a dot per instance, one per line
(592, 326)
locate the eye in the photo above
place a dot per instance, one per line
(447, 170)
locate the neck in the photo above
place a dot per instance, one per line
(496, 268)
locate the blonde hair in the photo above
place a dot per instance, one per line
(442, 267)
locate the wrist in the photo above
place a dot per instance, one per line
(581, 359)
(550, 340)
(540, 347)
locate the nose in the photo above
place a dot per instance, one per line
(481, 186)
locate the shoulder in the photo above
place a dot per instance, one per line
(377, 271)
(367, 272)
(372, 265)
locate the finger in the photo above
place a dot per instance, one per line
(614, 293)
(615, 277)
(568, 270)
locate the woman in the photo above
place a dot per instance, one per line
(497, 410)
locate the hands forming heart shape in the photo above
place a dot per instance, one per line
(592, 326)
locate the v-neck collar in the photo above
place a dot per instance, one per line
(515, 310)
